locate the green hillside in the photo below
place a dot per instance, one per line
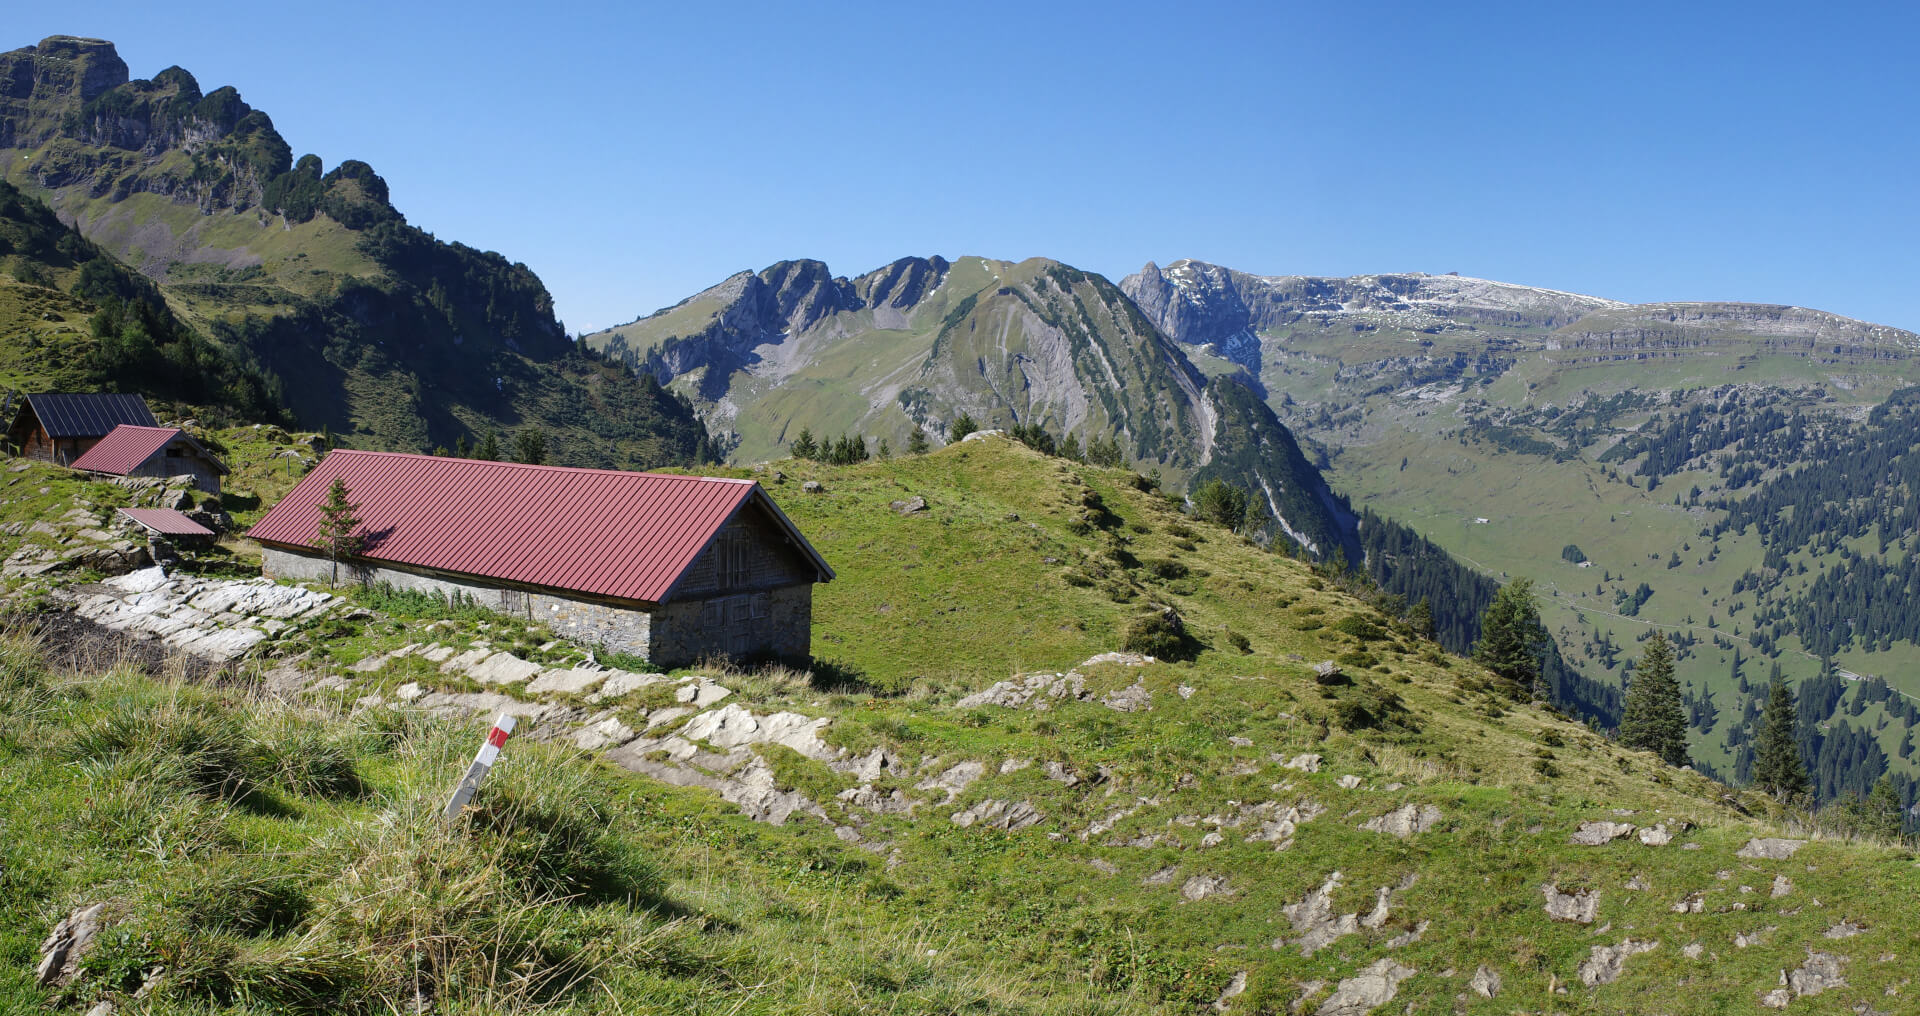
(1150, 841)
(357, 321)
(1511, 424)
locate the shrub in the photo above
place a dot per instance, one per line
(1167, 569)
(1160, 634)
(1360, 627)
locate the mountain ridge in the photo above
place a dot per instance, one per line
(918, 341)
(396, 339)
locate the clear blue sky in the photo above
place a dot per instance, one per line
(634, 154)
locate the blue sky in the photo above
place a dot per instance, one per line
(633, 154)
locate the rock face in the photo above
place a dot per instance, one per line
(1605, 962)
(1366, 991)
(1033, 343)
(216, 619)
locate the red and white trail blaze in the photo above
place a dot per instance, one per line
(482, 763)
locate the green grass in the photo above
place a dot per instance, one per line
(280, 856)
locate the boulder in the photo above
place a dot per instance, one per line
(1485, 982)
(910, 506)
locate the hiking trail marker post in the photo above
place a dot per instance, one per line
(482, 764)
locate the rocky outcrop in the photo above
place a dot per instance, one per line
(1405, 820)
(1579, 907)
(1604, 963)
(67, 945)
(1594, 834)
(1366, 991)
(1770, 849)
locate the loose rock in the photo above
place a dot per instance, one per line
(1594, 834)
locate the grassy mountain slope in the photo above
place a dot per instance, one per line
(920, 341)
(367, 325)
(1152, 881)
(1441, 402)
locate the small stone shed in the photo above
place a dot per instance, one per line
(57, 427)
(153, 451)
(673, 568)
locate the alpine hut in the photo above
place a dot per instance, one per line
(153, 451)
(672, 568)
(60, 428)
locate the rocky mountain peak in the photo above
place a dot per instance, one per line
(70, 65)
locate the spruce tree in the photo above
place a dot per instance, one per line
(530, 446)
(339, 518)
(961, 428)
(490, 448)
(803, 447)
(1511, 635)
(1420, 618)
(1777, 768)
(917, 442)
(1654, 719)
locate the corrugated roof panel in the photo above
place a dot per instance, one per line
(89, 414)
(124, 448)
(166, 521)
(607, 532)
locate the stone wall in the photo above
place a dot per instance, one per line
(620, 629)
(775, 622)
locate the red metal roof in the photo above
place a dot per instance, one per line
(601, 531)
(166, 521)
(124, 448)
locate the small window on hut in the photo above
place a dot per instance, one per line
(736, 560)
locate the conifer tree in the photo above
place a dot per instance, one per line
(1511, 635)
(530, 446)
(917, 442)
(1883, 813)
(1420, 617)
(1777, 767)
(339, 518)
(803, 447)
(961, 428)
(490, 448)
(1654, 719)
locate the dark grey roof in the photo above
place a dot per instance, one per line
(91, 414)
